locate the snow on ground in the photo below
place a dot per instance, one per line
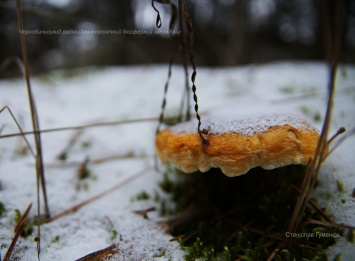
(91, 95)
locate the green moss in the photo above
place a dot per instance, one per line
(28, 227)
(304, 110)
(338, 257)
(86, 144)
(2, 210)
(329, 195)
(310, 90)
(340, 185)
(226, 217)
(62, 156)
(114, 234)
(351, 236)
(160, 254)
(287, 89)
(143, 196)
(344, 73)
(156, 196)
(317, 117)
(85, 174)
(85, 186)
(56, 239)
(22, 150)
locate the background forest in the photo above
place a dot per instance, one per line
(227, 33)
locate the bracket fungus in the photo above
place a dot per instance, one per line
(239, 144)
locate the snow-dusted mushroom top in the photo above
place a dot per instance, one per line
(244, 125)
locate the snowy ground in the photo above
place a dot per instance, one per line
(93, 95)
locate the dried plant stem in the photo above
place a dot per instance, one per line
(330, 224)
(88, 201)
(44, 12)
(35, 124)
(188, 23)
(103, 254)
(314, 166)
(79, 127)
(274, 253)
(144, 212)
(184, 60)
(18, 230)
(184, 237)
(96, 161)
(254, 230)
(80, 174)
(315, 206)
(19, 127)
(340, 131)
(71, 143)
(341, 140)
(11, 59)
(161, 118)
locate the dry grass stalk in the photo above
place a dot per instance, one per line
(330, 224)
(128, 155)
(90, 200)
(35, 124)
(81, 172)
(72, 141)
(144, 212)
(315, 206)
(341, 140)
(19, 127)
(79, 127)
(184, 61)
(101, 254)
(333, 53)
(18, 230)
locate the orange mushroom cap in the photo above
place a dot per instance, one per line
(237, 145)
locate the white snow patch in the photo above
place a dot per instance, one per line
(115, 94)
(246, 125)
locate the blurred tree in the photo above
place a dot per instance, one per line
(227, 32)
